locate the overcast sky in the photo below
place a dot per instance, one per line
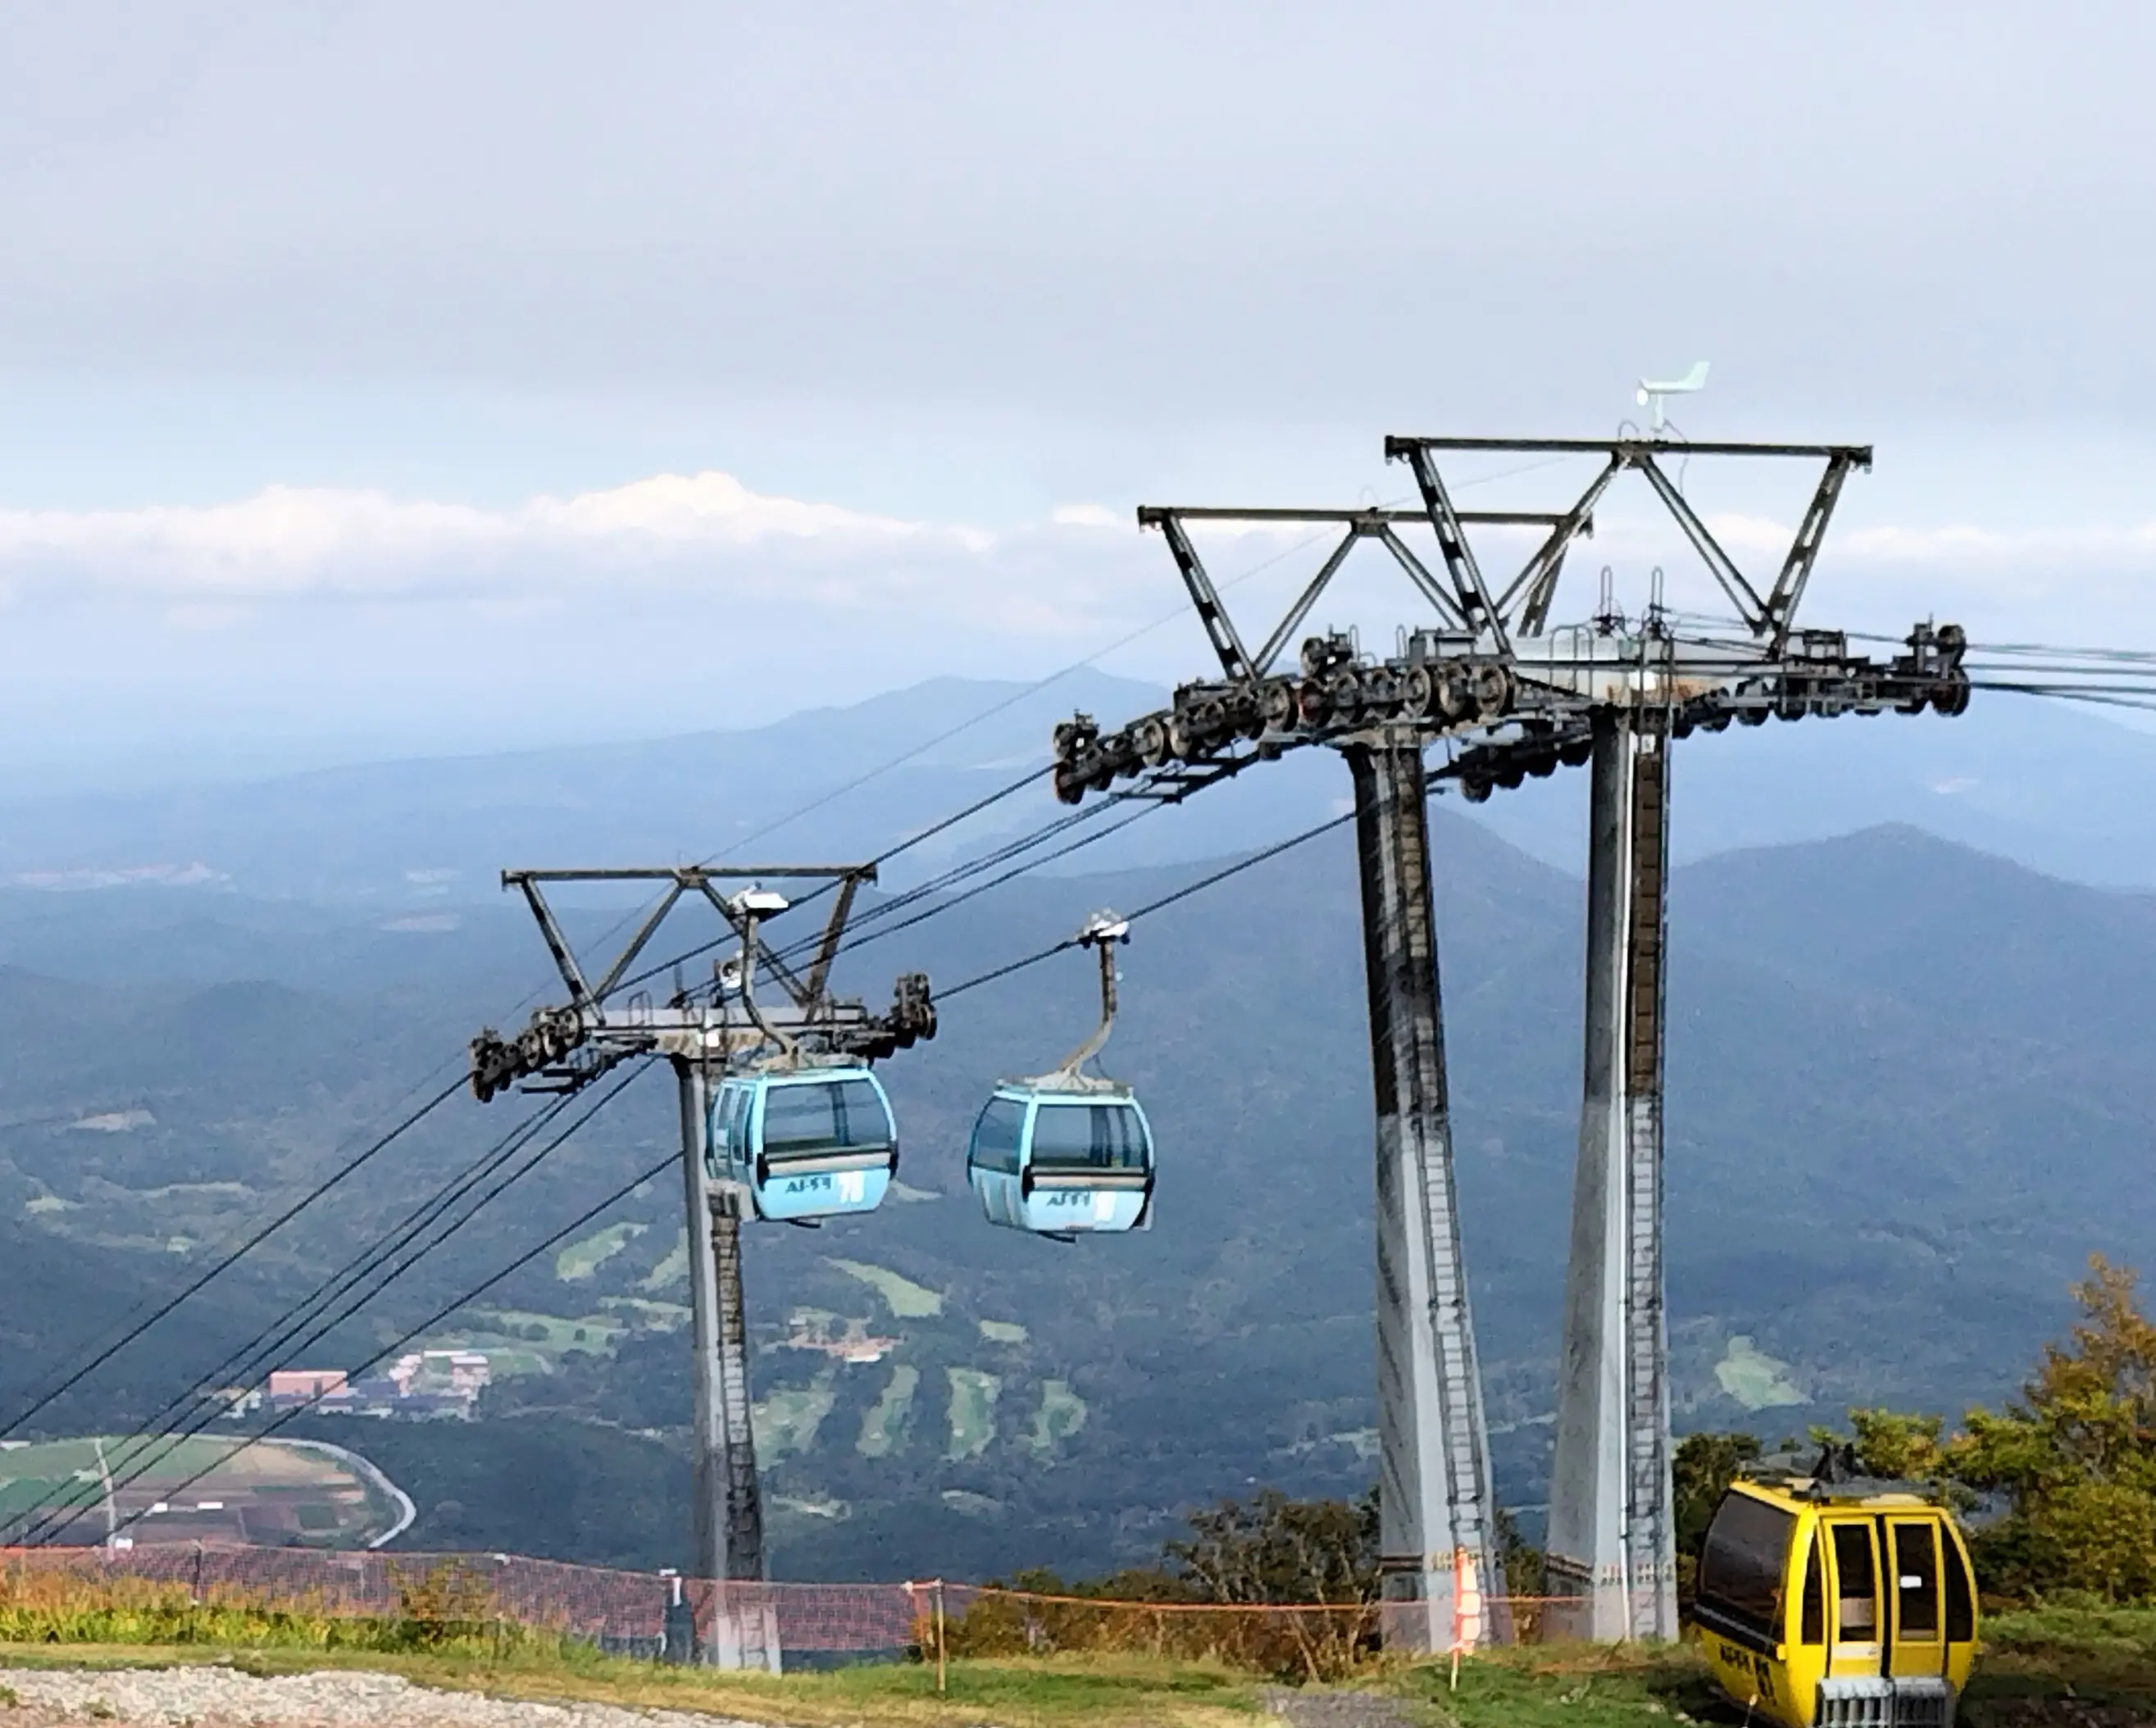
(427, 377)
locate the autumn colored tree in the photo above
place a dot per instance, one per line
(2076, 1457)
(1273, 1549)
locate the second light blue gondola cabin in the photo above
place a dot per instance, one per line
(1067, 1153)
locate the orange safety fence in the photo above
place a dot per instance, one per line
(658, 1614)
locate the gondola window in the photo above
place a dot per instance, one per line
(1857, 1614)
(1814, 1625)
(1916, 1578)
(1100, 1136)
(1740, 1567)
(996, 1135)
(1961, 1597)
(841, 1114)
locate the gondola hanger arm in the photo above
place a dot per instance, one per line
(745, 910)
(1102, 931)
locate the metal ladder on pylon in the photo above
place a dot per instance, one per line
(1468, 1523)
(748, 1627)
(1648, 1537)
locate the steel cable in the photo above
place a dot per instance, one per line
(144, 1459)
(443, 1313)
(338, 1176)
(249, 1359)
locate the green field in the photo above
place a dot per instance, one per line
(787, 1420)
(649, 1316)
(904, 1298)
(1002, 1331)
(1754, 1380)
(579, 1261)
(211, 1490)
(670, 1271)
(1061, 1414)
(884, 1428)
(972, 1412)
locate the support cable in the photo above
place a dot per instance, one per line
(250, 1358)
(1166, 901)
(442, 1314)
(103, 1353)
(1032, 864)
(349, 1167)
(934, 885)
(152, 1451)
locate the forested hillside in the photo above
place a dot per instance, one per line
(1909, 1091)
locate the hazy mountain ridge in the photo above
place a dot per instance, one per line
(1908, 1091)
(1874, 1081)
(2060, 790)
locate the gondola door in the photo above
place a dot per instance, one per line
(1856, 1624)
(1919, 1646)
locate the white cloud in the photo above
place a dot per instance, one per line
(1954, 543)
(1069, 583)
(708, 531)
(1086, 515)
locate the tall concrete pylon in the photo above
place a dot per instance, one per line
(1611, 1542)
(727, 1518)
(1434, 1497)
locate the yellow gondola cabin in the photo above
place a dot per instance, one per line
(1836, 1604)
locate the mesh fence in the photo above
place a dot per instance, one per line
(659, 1615)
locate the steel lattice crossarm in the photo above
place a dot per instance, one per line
(567, 1046)
(1485, 668)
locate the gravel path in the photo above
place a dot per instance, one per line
(224, 1698)
(1335, 1710)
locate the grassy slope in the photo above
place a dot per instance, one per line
(2092, 1669)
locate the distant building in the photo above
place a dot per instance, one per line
(377, 1395)
(299, 1385)
(845, 1341)
(466, 1372)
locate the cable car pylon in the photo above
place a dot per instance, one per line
(1483, 671)
(709, 1036)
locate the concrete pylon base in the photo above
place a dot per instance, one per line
(1611, 1544)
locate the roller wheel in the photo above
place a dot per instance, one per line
(1492, 690)
(1345, 690)
(1417, 691)
(1455, 694)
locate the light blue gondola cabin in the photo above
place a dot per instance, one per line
(807, 1144)
(1067, 1153)
(1060, 1162)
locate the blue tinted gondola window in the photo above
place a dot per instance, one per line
(996, 1135)
(728, 1123)
(1092, 1137)
(828, 1117)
